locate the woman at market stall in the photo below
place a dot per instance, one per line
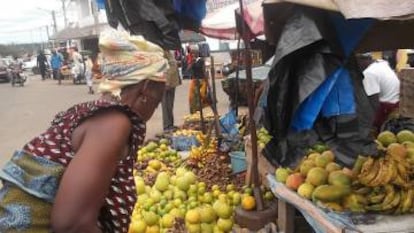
(77, 175)
(198, 90)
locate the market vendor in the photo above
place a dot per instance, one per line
(382, 86)
(77, 176)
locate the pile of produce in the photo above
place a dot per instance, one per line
(382, 184)
(263, 137)
(195, 117)
(179, 202)
(184, 139)
(196, 194)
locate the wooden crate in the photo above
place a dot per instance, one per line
(406, 76)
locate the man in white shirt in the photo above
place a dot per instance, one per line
(382, 87)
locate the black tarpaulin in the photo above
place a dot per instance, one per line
(308, 52)
(156, 20)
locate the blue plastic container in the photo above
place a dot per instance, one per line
(238, 161)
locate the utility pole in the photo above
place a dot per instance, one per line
(95, 12)
(47, 32)
(54, 21)
(65, 19)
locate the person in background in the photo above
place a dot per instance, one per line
(401, 59)
(77, 176)
(88, 74)
(77, 61)
(173, 80)
(42, 64)
(382, 87)
(56, 61)
(199, 95)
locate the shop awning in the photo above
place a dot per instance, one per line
(221, 23)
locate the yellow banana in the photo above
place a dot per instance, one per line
(408, 201)
(398, 209)
(375, 207)
(393, 203)
(393, 171)
(375, 199)
(389, 194)
(369, 171)
(402, 170)
(358, 165)
(363, 190)
(400, 181)
(381, 175)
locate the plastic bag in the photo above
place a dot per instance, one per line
(228, 123)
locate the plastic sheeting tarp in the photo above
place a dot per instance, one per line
(392, 33)
(316, 93)
(351, 9)
(158, 21)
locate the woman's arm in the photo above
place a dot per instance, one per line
(87, 179)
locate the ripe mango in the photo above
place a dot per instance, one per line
(317, 176)
(294, 181)
(339, 178)
(330, 193)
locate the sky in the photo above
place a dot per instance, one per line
(25, 21)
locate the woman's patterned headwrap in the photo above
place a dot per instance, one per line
(127, 60)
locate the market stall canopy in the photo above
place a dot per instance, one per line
(221, 23)
(391, 27)
(77, 32)
(351, 9)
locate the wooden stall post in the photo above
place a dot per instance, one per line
(285, 217)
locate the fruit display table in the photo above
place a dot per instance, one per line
(323, 220)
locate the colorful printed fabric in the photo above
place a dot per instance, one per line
(31, 177)
(29, 187)
(194, 95)
(127, 60)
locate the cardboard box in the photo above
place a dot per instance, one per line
(406, 76)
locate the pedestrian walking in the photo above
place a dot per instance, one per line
(42, 64)
(88, 74)
(56, 61)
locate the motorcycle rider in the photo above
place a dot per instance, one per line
(16, 70)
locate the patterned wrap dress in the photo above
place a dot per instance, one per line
(31, 178)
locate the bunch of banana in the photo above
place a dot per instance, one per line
(204, 149)
(383, 171)
(186, 132)
(355, 203)
(391, 200)
(207, 114)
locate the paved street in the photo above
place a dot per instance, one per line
(26, 111)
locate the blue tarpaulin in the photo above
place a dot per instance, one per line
(100, 4)
(335, 96)
(194, 9)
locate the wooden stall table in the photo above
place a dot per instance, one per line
(326, 221)
(321, 220)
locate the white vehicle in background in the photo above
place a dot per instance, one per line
(30, 65)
